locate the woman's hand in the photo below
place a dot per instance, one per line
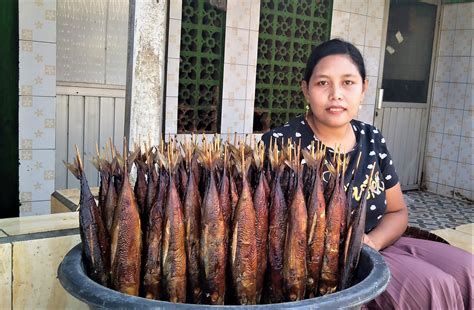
(367, 240)
(393, 223)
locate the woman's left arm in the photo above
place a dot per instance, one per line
(393, 223)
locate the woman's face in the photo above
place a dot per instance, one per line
(335, 91)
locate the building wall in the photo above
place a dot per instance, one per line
(448, 166)
(37, 98)
(361, 23)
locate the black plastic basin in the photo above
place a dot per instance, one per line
(372, 276)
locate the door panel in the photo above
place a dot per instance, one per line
(406, 82)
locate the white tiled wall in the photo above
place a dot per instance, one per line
(172, 78)
(240, 61)
(37, 98)
(361, 23)
(449, 166)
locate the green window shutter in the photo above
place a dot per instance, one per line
(288, 32)
(201, 67)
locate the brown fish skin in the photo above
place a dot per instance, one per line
(141, 187)
(174, 247)
(353, 243)
(234, 196)
(95, 244)
(244, 247)
(225, 196)
(153, 232)
(110, 201)
(316, 231)
(294, 266)
(192, 219)
(105, 175)
(260, 202)
(335, 213)
(126, 243)
(212, 243)
(276, 242)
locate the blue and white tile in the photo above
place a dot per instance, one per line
(251, 82)
(371, 92)
(176, 7)
(467, 123)
(366, 113)
(464, 194)
(445, 190)
(37, 122)
(356, 24)
(440, 94)
(453, 122)
(465, 176)
(235, 81)
(450, 148)
(233, 114)
(171, 118)
(36, 174)
(447, 172)
(236, 46)
(359, 6)
(340, 24)
(468, 103)
(443, 69)
(372, 60)
(248, 116)
(456, 95)
(376, 8)
(255, 15)
(238, 13)
(462, 42)
(253, 48)
(431, 170)
(449, 17)
(174, 38)
(35, 208)
(342, 5)
(438, 115)
(373, 33)
(446, 43)
(465, 15)
(37, 68)
(466, 149)
(37, 20)
(430, 186)
(172, 79)
(460, 69)
(435, 144)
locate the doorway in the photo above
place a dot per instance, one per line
(404, 86)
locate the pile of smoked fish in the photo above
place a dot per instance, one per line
(219, 223)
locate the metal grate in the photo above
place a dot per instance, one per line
(288, 32)
(201, 67)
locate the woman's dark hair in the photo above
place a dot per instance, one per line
(334, 47)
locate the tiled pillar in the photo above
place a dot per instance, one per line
(240, 66)
(172, 79)
(37, 91)
(361, 23)
(449, 165)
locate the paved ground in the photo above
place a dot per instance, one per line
(451, 219)
(432, 211)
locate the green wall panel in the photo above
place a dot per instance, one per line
(288, 32)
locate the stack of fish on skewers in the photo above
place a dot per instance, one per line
(219, 223)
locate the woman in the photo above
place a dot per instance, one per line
(425, 274)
